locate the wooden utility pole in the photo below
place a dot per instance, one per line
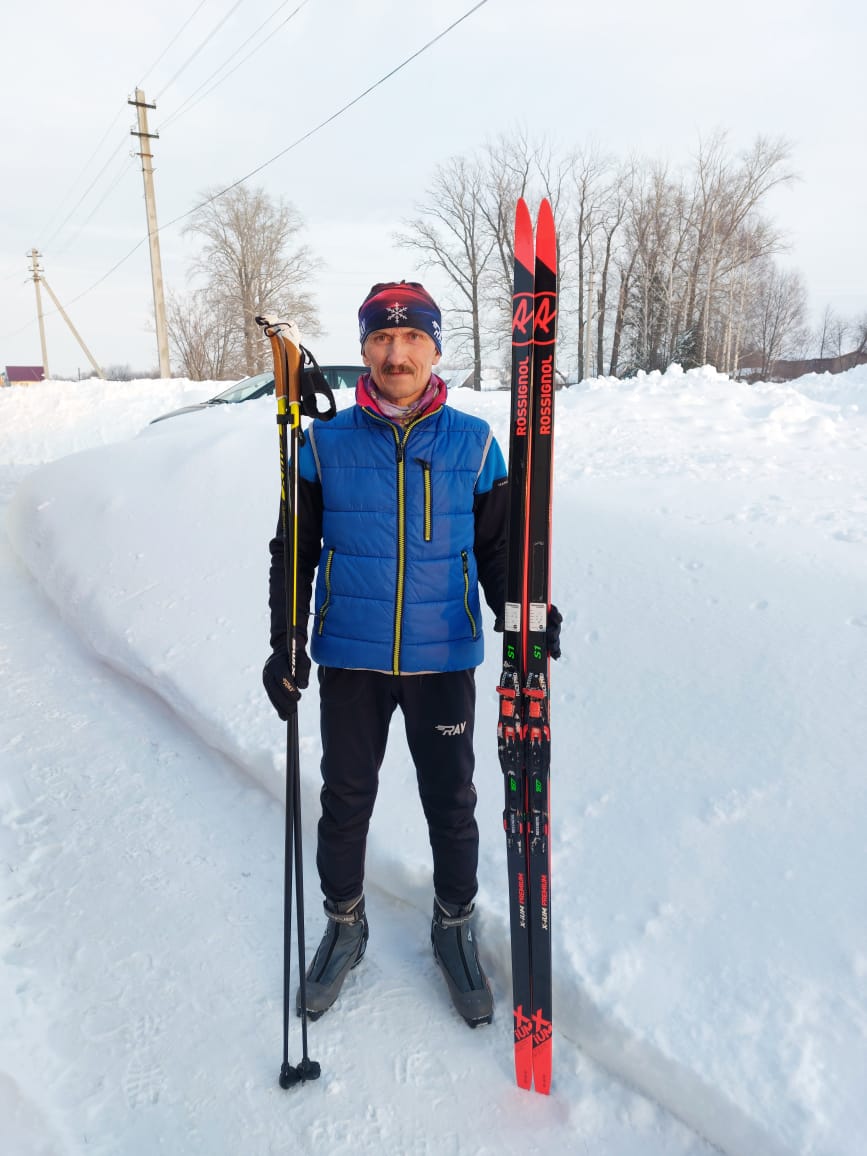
(35, 270)
(147, 170)
(39, 279)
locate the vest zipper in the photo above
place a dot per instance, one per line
(428, 516)
(465, 560)
(323, 610)
(401, 549)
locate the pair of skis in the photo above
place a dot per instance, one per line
(523, 732)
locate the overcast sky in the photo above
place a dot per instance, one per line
(630, 76)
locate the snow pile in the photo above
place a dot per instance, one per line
(48, 419)
(709, 877)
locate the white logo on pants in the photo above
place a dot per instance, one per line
(452, 728)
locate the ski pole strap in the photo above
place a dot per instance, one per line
(313, 386)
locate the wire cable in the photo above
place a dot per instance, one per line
(86, 166)
(259, 168)
(173, 41)
(190, 103)
(123, 145)
(328, 120)
(81, 173)
(193, 56)
(125, 168)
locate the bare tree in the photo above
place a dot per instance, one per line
(615, 204)
(205, 337)
(653, 266)
(725, 197)
(251, 263)
(834, 334)
(451, 234)
(778, 313)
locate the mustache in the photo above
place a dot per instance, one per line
(396, 369)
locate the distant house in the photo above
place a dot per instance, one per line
(24, 374)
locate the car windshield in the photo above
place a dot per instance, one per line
(258, 386)
(343, 376)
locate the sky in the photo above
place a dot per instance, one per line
(630, 78)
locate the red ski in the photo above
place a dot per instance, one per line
(523, 730)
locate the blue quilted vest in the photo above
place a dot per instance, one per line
(397, 587)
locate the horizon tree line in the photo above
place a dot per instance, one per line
(655, 265)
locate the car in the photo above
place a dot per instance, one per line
(262, 384)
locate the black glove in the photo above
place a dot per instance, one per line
(552, 630)
(280, 687)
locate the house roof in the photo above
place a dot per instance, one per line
(24, 373)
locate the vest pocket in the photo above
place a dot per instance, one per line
(465, 562)
(323, 610)
(428, 502)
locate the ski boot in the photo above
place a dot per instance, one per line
(454, 948)
(342, 948)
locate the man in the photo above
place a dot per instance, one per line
(402, 509)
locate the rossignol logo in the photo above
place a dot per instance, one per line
(522, 409)
(522, 318)
(546, 395)
(452, 728)
(545, 316)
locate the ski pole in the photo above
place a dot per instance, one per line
(285, 347)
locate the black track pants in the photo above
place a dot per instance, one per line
(439, 711)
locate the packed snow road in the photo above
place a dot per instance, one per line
(140, 951)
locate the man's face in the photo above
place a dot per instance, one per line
(400, 362)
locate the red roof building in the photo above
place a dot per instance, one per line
(24, 374)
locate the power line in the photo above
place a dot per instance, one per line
(190, 103)
(125, 168)
(86, 166)
(328, 120)
(173, 40)
(81, 173)
(193, 56)
(259, 168)
(112, 156)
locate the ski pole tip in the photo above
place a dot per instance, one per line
(306, 1070)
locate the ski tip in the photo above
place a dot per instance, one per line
(546, 236)
(523, 234)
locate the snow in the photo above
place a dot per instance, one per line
(709, 878)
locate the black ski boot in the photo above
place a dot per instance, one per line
(341, 949)
(454, 948)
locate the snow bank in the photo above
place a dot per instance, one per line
(48, 419)
(710, 890)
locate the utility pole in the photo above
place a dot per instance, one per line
(147, 169)
(35, 270)
(39, 279)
